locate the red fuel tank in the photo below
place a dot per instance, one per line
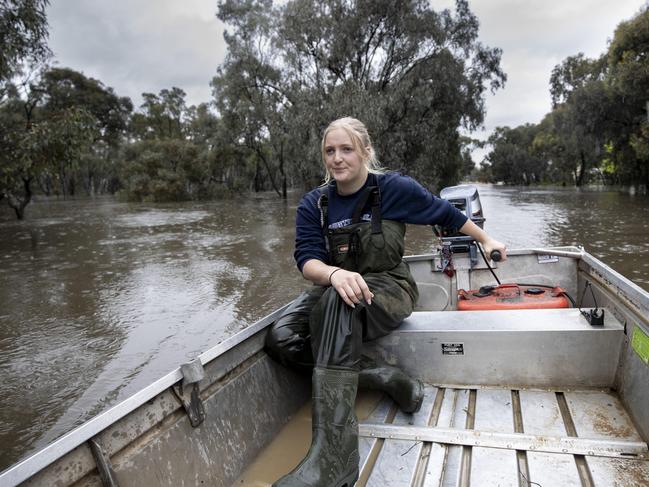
(512, 296)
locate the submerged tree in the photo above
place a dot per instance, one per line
(414, 75)
(39, 147)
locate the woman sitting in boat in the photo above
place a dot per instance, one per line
(350, 244)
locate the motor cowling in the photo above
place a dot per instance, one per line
(465, 198)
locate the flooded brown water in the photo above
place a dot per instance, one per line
(99, 298)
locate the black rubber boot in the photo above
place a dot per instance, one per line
(332, 460)
(407, 392)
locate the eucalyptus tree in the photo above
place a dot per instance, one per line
(62, 89)
(582, 112)
(628, 60)
(176, 151)
(414, 75)
(512, 158)
(161, 116)
(38, 147)
(23, 37)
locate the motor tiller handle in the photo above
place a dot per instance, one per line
(496, 256)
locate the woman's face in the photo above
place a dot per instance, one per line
(344, 164)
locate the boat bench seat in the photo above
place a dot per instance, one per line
(545, 348)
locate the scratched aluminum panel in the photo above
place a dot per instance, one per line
(366, 445)
(618, 473)
(457, 409)
(519, 348)
(630, 304)
(454, 400)
(541, 416)
(602, 415)
(397, 462)
(493, 466)
(242, 417)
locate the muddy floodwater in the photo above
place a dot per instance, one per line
(99, 298)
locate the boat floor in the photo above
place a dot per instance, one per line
(480, 436)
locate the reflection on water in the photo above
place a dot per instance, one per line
(99, 298)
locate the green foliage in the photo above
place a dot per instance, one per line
(628, 58)
(512, 159)
(64, 88)
(413, 75)
(48, 147)
(161, 116)
(599, 124)
(60, 89)
(168, 170)
(23, 37)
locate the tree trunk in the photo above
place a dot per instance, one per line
(62, 187)
(257, 177)
(19, 203)
(281, 171)
(45, 183)
(270, 174)
(582, 170)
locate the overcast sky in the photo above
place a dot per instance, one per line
(138, 46)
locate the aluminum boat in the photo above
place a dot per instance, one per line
(513, 397)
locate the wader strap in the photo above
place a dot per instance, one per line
(376, 210)
(323, 206)
(372, 193)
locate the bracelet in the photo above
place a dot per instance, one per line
(333, 272)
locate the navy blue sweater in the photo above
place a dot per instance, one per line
(402, 199)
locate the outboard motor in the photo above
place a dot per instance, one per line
(465, 198)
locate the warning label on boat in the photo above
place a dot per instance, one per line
(452, 348)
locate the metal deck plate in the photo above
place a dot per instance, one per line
(584, 424)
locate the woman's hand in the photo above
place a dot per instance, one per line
(351, 287)
(490, 245)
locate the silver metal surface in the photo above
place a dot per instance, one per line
(397, 462)
(455, 414)
(25, 469)
(367, 446)
(624, 449)
(493, 466)
(244, 413)
(631, 304)
(192, 372)
(541, 416)
(559, 253)
(522, 348)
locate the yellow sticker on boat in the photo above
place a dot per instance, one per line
(640, 343)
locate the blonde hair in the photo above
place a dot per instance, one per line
(360, 141)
